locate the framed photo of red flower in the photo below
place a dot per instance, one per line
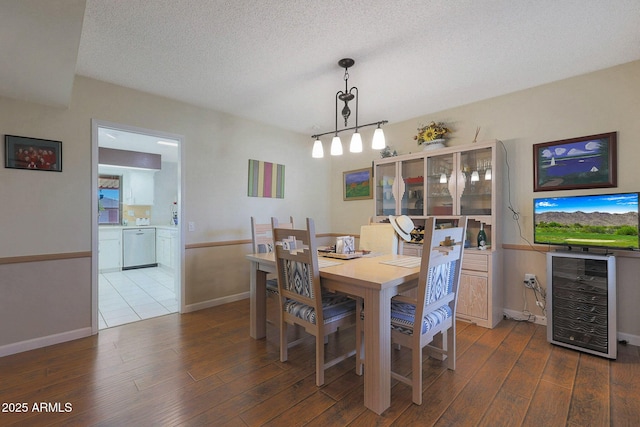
(576, 163)
(21, 152)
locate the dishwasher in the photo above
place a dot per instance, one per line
(139, 248)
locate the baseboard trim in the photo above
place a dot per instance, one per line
(45, 341)
(630, 339)
(215, 302)
(541, 320)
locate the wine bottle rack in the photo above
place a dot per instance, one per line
(582, 302)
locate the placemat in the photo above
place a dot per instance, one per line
(408, 262)
(323, 262)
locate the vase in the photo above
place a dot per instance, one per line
(434, 144)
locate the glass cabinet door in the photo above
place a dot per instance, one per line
(412, 195)
(475, 194)
(440, 185)
(385, 197)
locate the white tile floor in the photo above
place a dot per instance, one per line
(131, 295)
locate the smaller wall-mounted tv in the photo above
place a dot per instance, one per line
(598, 221)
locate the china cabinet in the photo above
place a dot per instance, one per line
(582, 302)
(458, 180)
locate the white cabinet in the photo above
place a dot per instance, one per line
(109, 249)
(138, 187)
(166, 241)
(459, 180)
(480, 293)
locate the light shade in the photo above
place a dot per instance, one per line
(443, 178)
(356, 143)
(336, 146)
(318, 151)
(475, 176)
(378, 142)
(487, 175)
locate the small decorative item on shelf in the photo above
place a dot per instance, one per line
(432, 135)
(386, 152)
(482, 238)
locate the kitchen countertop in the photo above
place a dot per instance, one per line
(128, 227)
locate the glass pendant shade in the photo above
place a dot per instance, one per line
(487, 175)
(378, 142)
(475, 176)
(336, 146)
(443, 178)
(356, 143)
(318, 151)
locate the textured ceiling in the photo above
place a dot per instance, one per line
(275, 61)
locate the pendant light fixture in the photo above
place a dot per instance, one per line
(347, 96)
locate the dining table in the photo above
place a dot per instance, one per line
(375, 279)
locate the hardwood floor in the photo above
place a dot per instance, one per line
(203, 369)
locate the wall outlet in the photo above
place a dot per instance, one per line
(529, 280)
(192, 226)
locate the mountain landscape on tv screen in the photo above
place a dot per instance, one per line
(583, 218)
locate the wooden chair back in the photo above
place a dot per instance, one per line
(262, 237)
(381, 238)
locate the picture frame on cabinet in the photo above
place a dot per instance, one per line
(576, 163)
(32, 153)
(357, 184)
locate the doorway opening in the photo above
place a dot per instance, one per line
(137, 235)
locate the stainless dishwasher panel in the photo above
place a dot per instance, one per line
(139, 248)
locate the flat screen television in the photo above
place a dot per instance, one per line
(598, 221)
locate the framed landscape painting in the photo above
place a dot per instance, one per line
(570, 164)
(357, 184)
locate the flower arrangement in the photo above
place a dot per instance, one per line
(430, 132)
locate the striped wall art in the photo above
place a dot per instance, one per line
(266, 179)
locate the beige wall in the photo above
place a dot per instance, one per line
(598, 102)
(50, 213)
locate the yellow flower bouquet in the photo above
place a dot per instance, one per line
(431, 132)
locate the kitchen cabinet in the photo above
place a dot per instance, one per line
(138, 187)
(109, 249)
(166, 241)
(459, 180)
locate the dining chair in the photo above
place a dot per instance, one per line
(380, 239)
(262, 237)
(302, 300)
(415, 321)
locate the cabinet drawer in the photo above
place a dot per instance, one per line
(475, 261)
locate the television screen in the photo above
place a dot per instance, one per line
(603, 220)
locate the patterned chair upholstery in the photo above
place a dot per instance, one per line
(302, 300)
(415, 321)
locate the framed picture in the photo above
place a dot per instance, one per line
(31, 153)
(570, 164)
(357, 184)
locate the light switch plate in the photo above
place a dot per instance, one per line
(192, 226)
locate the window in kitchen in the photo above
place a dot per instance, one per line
(109, 199)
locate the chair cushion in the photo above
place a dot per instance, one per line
(334, 306)
(272, 287)
(440, 281)
(298, 278)
(403, 314)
